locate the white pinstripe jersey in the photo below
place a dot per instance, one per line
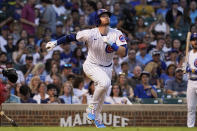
(98, 51)
(192, 61)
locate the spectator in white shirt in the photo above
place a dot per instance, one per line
(116, 96)
(79, 90)
(3, 37)
(41, 93)
(54, 70)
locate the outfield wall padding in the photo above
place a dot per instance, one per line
(112, 115)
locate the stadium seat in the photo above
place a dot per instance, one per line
(160, 93)
(150, 101)
(167, 96)
(148, 21)
(181, 95)
(172, 101)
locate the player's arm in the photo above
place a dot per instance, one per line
(81, 36)
(120, 47)
(64, 39)
(122, 50)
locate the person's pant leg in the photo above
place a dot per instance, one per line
(191, 103)
(101, 79)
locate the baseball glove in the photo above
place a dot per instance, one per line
(11, 74)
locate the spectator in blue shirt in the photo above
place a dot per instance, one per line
(66, 55)
(59, 31)
(143, 56)
(193, 11)
(163, 8)
(161, 65)
(92, 12)
(11, 98)
(68, 95)
(25, 95)
(169, 74)
(115, 17)
(145, 90)
(177, 86)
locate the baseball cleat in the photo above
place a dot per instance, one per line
(99, 124)
(91, 117)
(91, 113)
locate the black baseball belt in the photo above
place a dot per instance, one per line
(193, 78)
(103, 65)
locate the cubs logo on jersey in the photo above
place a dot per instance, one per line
(195, 63)
(121, 38)
(109, 49)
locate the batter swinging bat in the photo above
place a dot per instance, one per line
(9, 119)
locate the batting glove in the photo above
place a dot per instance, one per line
(110, 43)
(50, 45)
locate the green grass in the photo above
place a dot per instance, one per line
(95, 129)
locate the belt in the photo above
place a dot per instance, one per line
(106, 66)
(193, 79)
(102, 65)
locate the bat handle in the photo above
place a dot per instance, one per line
(9, 119)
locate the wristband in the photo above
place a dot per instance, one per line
(114, 47)
(188, 70)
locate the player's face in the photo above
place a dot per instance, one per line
(194, 43)
(105, 20)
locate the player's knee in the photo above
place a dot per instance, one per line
(105, 84)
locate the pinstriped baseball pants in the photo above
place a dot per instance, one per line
(102, 80)
(191, 102)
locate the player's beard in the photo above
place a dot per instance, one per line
(104, 24)
(194, 46)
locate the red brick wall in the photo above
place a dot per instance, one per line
(137, 115)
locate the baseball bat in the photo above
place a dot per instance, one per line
(13, 123)
(187, 47)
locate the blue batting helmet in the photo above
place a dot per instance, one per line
(193, 36)
(99, 13)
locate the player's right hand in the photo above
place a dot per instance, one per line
(50, 45)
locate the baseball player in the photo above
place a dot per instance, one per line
(12, 76)
(103, 42)
(191, 69)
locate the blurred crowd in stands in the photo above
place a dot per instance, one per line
(155, 31)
